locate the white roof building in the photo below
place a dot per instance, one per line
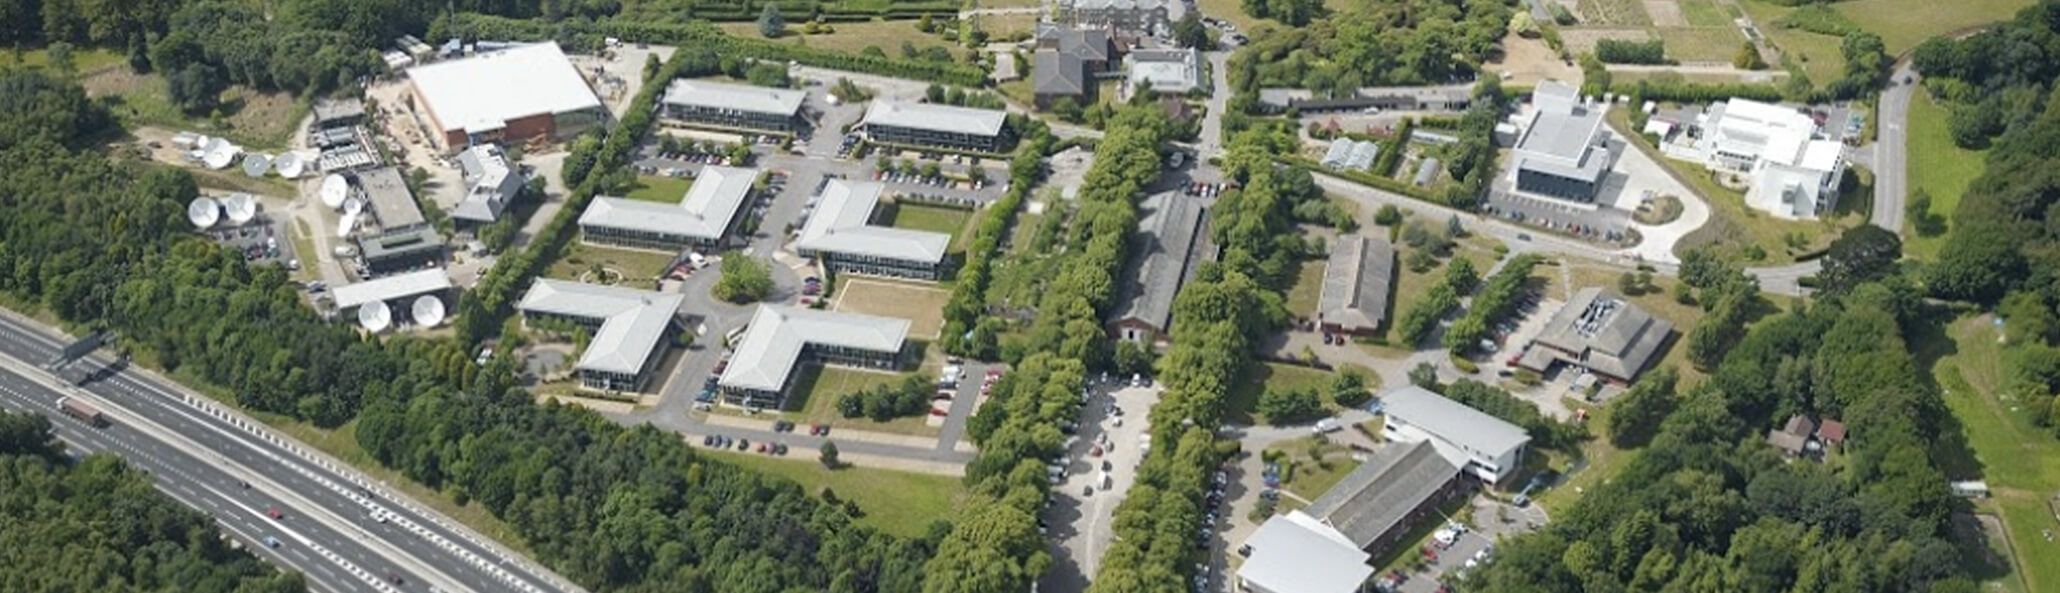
(1296, 553)
(1166, 70)
(937, 118)
(737, 97)
(490, 184)
(487, 92)
(1795, 172)
(842, 224)
(391, 288)
(704, 213)
(766, 355)
(1487, 447)
(632, 322)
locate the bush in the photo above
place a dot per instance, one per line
(1618, 51)
(1290, 406)
(886, 402)
(744, 279)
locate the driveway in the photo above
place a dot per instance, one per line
(1080, 524)
(1644, 176)
(1891, 148)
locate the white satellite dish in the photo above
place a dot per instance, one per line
(257, 164)
(203, 212)
(242, 208)
(344, 226)
(290, 165)
(375, 317)
(428, 310)
(354, 205)
(220, 153)
(334, 189)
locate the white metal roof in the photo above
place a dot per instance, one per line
(721, 95)
(397, 286)
(1166, 70)
(1453, 422)
(705, 211)
(841, 225)
(485, 91)
(772, 346)
(934, 117)
(632, 321)
(1297, 553)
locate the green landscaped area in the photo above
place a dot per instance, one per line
(1308, 474)
(1733, 226)
(936, 219)
(638, 268)
(897, 502)
(1902, 24)
(1819, 55)
(1244, 399)
(258, 121)
(1704, 44)
(817, 389)
(852, 37)
(83, 60)
(1938, 167)
(659, 189)
(1303, 298)
(304, 250)
(1704, 13)
(2020, 461)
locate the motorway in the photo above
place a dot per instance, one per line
(202, 454)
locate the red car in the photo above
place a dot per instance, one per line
(274, 513)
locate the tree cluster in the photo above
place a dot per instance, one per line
(886, 402)
(1383, 43)
(1544, 432)
(745, 279)
(1729, 299)
(1620, 51)
(1497, 300)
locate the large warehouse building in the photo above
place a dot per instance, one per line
(510, 95)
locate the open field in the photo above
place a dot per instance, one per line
(2020, 461)
(1613, 13)
(1704, 13)
(1302, 298)
(1819, 55)
(921, 304)
(1902, 24)
(1715, 44)
(901, 503)
(852, 37)
(259, 121)
(84, 60)
(1244, 399)
(638, 268)
(663, 190)
(937, 219)
(1310, 478)
(1939, 168)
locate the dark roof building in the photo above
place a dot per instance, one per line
(1388, 494)
(1170, 242)
(1602, 332)
(1056, 75)
(1356, 283)
(338, 113)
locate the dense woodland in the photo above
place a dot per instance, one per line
(100, 243)
(1377, 44)
(96, 524)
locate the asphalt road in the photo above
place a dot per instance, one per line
(1891, 149)
(200, 452)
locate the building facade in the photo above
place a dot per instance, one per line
(733, 107)
(841, 235)
(938, 126)
(780, 339)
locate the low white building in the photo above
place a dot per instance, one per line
(1795, 171)
(1483, 446)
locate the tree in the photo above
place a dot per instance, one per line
(1348, 389)
(744, 279)
(1918, 211)
(1863, 254)
(1636, 416)
(1282, 407)
(196, 89)
(828, 455)
(1190, 32)
(1388, 215)
(1424, 375)
(770, 24)
(1748, 58)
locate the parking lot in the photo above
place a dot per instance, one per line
(1489, 522)
(1098, 468)
(262, 241)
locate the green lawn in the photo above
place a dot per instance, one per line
(1704, 13)
(2020, 462)
(259, 121)
(1303, 298)
(1902, 24)
(936, 219)
(663, 190)
(1310, 478)
(1937, 167)
(1244, 399)
(853, 37)
(1701, 45)
(1621, 13)
(820, 386)
(638, 268)
(901, 503)
(304, 250)
(1819, 55)
(83, 60)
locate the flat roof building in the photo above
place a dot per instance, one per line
(734, 107)
(1356, 283)
(508, 95)
(1394, 490)
(1167, 248)
(490, 184)
(780, 338)
(338, 113)
(387, 194)
(938, 126)
(391, 288)
(842, 235)
(1795, 171)
(1176, 71)
(1563, 151)
(704, 216)
(1602, 332)
(406, 249)
(629, 328)
(1296, 553)
(1481, 445)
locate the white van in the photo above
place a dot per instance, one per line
(1327, 425)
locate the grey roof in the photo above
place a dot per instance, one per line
(704, 212)
(1294, 553)
(1564, 138)
(934, 117)
(1357, 282)
(397, 286)
(401, 243)
(1282, 98)
(772, 344)
(842, 224)
(738, 97)
(1453, 422)
(1605, 333)
(1169, 232)
(1375, 498)
(327, 110)
(388, 194)
(1166, 70)
(631, 321)
(1056, 73)
(1089, 45)
(490, 183)
(1444, 93)
(1427, 171)
(1351, 154)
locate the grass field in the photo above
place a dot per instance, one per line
(1902, 24)
(2020, 462)
(1704, 13)
(901, 503)
(1819, 55)
(663, 190)
(1244, 399)
(853, 37)
(936, 219)
(638, 267)
(922, 305)
(259, 121)
(1939, 168)
(820, 386)
(1310, 478)
(84, 60)
(1718, 44)
(304, 248)
(1614, 13)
